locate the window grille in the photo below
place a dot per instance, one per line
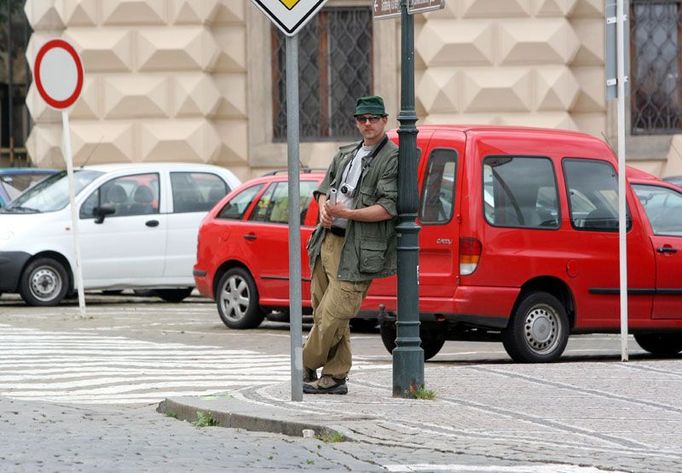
(655, 66)
(335, 67)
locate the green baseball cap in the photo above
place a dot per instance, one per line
(373, 105)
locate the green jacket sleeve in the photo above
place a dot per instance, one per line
(387, 187)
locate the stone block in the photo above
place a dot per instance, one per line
(556, 88)
(493, 90)
(103, 50)
(232, 95)
(176, 49)
(451, 42)
(495, 8)
(231, 43)
(193, 11)
(438, 90)
(94, 143)
(196, 95)
(548, 41)
(134, 12)
(188, 140)
(77, 12)
(136, 96)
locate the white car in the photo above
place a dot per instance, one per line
(137, 224)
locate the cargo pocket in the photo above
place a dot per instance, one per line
(372, 254)
(346, 298)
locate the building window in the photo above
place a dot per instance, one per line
(15, 79)
(655, 66)
(335, 67)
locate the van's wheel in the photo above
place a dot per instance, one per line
(363, 325)
(44, 282)
(173, 295)
(432, 338)
(538, 330)
(237, 300)
(664, 344)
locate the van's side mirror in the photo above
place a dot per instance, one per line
(102, 211)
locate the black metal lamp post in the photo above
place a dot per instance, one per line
(408, 356)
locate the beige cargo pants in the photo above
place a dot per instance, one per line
(334, 304)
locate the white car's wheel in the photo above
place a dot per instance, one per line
(44, 282)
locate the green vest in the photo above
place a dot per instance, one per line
(369, 250)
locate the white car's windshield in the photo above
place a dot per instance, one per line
(52, 194)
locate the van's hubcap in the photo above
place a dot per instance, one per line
(542, 328)
(235, 298)
(45, 283)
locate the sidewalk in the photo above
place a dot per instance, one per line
(610, 415)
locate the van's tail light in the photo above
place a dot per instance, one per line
(469, 254)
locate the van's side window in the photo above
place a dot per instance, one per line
(593, 194)
(520, 191)
(438, 194)
(663, 208)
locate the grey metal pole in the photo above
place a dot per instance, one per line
(295, 312)
(622, 239)
(408, 356)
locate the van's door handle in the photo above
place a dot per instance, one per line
(666, 249)
(250, 236)
(152, 223)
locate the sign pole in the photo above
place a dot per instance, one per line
(295, 310)
(68, 158)
(58, 75)
(622, 175)
(408, 356)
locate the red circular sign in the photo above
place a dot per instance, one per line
(58, 74)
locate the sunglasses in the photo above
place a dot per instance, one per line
(371, 118)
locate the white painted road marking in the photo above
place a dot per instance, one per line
(547, 468)
(70, 367)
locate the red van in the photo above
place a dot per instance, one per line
(518, 243)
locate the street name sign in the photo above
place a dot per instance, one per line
(289, 15)
(384, 9)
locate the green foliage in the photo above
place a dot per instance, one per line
(172, 414)
(422, 393)
(205, 419)
(331, 437)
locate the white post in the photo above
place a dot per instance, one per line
(68, 158)
(622, 174)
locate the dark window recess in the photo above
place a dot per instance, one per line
(655, 66)
(335, 67)
(15, 79)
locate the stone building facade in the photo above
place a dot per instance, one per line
(194, 80)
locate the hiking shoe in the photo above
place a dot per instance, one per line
(309, 375)
(326, 385)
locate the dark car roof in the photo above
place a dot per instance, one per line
(17, 171)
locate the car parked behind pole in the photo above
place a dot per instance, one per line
(14, 181)
(137, 224)
(518, 243)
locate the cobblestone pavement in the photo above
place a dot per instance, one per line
(42, 437)
(609, 415)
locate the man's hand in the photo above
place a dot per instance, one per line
(325, 218)
(337, 210)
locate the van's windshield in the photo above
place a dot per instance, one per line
(52, 194)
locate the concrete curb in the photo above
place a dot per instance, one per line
(240, 415)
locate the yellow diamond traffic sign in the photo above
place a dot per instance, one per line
(289, 15)
(289, 3)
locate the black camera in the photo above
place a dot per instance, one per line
(346, 189)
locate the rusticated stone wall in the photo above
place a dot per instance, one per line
(189, 80)
(165, 81)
